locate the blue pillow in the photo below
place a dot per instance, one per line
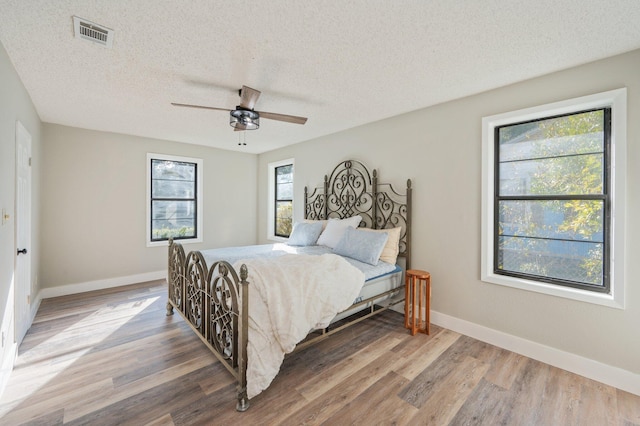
(305, 234)
(362, 245)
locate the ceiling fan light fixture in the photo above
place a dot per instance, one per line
(244, 119)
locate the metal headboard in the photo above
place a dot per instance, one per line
(351, 190)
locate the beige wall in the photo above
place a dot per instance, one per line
(94, 203)
(440, 148)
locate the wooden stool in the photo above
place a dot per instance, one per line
(415, 280)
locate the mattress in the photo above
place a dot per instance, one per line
(371, 288)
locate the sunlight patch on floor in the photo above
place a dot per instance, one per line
(87, 333)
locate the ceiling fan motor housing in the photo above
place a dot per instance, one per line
(244, 118)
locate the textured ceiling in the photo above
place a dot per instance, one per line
(339, 63)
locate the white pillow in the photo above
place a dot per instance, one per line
(392, 247)
(335, 230)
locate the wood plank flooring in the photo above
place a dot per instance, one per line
(113, 358)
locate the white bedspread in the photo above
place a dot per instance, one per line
(289, 296)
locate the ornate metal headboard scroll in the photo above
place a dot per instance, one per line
(351, 190)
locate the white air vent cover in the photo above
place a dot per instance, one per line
(87, 30)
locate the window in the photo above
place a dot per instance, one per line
(174, 206)
(284, 200)
(549, 200)
(280, 218)
(552, 200)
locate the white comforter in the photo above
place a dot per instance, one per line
(289, 296)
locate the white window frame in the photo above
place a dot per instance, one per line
(271, 199)
(199, 203)
(617, 101)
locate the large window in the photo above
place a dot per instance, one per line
(552, 197)
(280, 213)
(174, 198)
(552, 200)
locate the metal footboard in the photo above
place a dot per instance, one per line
(214, 302)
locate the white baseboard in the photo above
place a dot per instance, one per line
(8, 348)
(65, 290)
(35, 305)
(10, 351)
(613, 376)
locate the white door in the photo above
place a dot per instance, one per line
(23, 231)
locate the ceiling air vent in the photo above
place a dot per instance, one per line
(87, 30)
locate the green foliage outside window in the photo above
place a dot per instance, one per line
(166, 233)
(284, 219)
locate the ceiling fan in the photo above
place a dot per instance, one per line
(244, 117)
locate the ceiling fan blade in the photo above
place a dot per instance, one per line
(282, 117)
(248, 97)
(200, 106)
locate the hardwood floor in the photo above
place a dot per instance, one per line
(113, 357)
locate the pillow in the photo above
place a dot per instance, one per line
(361, 245)
(335, 229)
(392, 248)
(305, 234)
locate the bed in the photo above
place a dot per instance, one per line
(229, 296)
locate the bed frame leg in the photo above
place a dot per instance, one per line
(243, 402)
(169, 309)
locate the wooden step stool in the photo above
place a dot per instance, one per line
(417, 287)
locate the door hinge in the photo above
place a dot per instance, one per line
(28, 299)
(29, 161)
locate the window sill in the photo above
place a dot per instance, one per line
(165, 243)
(604, 299)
